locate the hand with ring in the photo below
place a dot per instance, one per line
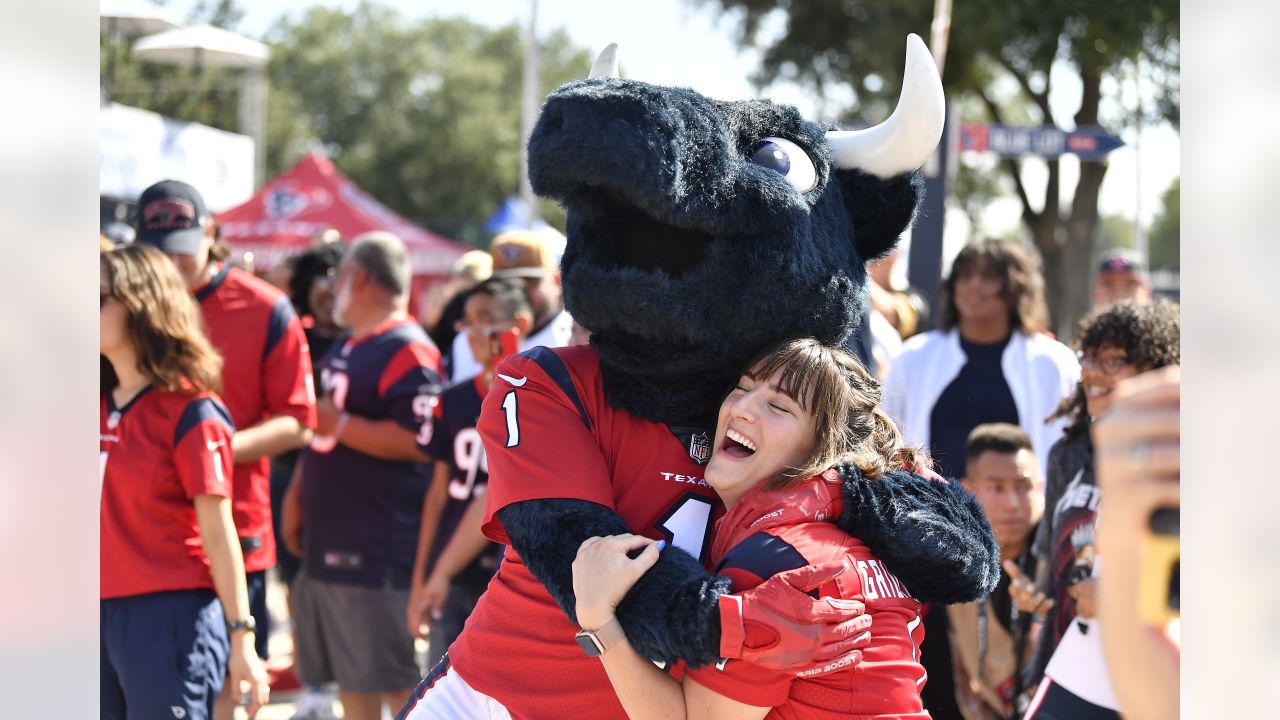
(1024, 592)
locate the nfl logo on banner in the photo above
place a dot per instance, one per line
(700, 448)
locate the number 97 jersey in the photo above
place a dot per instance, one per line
(450, 437)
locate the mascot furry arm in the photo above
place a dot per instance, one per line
(699, 232)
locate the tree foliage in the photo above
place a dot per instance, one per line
(1163, 243)
(423, 114)
(993, 44)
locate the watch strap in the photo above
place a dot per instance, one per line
(243, 624)
(605, 637)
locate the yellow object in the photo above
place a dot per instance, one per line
(1160, 555)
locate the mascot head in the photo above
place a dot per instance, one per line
(700, 231)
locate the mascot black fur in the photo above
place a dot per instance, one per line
(699, 232)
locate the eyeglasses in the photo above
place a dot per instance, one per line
(1111, 364)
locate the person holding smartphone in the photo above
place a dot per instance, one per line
(1116, 342)
(455, 560)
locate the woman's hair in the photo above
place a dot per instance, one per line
(1148, 335)
(219, 250)
(843, 398)
(510, 295)
(318, 261)
(1021, 282)
(163, 324)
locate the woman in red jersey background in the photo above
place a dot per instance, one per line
(174, 613)
(797, 411)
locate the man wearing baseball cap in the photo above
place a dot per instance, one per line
(266, 371)
(1121, 276)
(532, 256)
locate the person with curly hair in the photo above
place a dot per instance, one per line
(173, 611)
(1115, 342)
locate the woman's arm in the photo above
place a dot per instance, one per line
(269, 438)
(465, 546)
(602, 575)
(226, 564)
(432, 505)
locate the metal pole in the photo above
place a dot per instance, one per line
(253, 118)
(1139, 232)
(531, 101)
(924, 263)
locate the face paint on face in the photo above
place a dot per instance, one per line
(760, 433)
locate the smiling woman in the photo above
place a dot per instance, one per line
(797, 410)
(1115, 342)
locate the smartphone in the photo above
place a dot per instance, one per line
(1158, 588)
(503, 344)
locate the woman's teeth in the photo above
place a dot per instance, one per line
(740, 440)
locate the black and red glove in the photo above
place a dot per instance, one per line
(778, 626)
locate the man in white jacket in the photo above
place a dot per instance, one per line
(989, 361)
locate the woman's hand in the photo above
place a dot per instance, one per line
(245, 672)
(603, 573)
(432, 596)
(1084, 594)
(1024, 592)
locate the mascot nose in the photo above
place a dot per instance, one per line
(606, 133)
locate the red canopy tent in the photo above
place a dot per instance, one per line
(281, 218)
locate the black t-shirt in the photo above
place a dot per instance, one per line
(978, 395)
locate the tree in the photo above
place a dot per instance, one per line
(1163, 243)
(993, 44)
(424, 115)
(209, 96)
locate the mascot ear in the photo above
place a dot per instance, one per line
(876, 166)
(879, 209)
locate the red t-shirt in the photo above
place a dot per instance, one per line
(156, 455)
(266, 371)
(548, 433)
(771, 531)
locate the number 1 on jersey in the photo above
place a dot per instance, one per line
(513, 426)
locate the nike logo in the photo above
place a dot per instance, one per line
(513, 381)
(214, 445)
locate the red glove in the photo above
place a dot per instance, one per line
(777, 626)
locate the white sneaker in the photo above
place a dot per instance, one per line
(315, 703)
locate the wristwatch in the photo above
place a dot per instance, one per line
(595, 642)
(246, 624)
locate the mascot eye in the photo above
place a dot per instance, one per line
(787, 158)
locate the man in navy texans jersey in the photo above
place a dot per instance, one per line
(454, 557)
(361, 484)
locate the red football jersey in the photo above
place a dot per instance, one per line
(266, 371)
(771, 531)
(548, 433)
(156, 454)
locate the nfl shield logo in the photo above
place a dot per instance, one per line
(511, 253)
(700, 448)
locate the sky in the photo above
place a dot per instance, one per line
(692, 43)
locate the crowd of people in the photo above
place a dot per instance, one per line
(308, 422)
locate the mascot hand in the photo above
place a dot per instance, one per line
(778, 626)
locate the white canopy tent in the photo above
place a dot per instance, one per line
(130, 18)
(202, 46)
